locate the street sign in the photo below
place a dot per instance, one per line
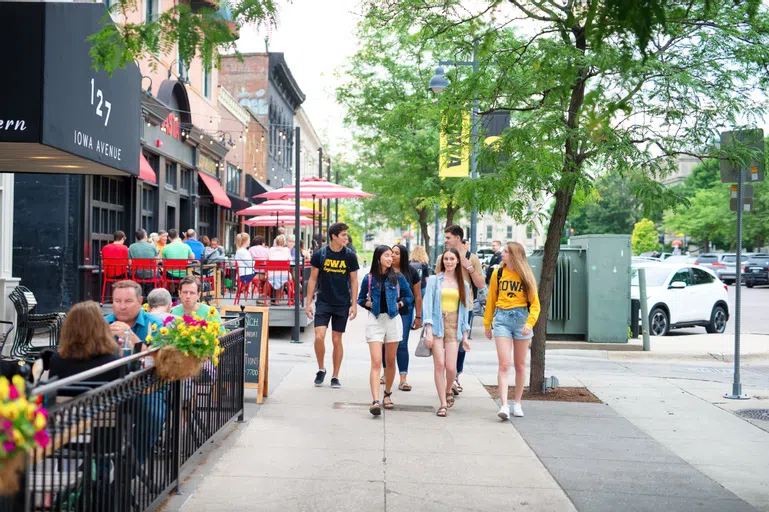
(745, 150)
(747, 198)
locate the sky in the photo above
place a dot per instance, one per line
(316, 38)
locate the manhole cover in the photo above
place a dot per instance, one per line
(754, 414)
(401, 407)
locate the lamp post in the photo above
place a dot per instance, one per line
(437, 84)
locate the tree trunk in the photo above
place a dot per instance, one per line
(545, 290)
(451, 211)
(572, 166)
(423, 226)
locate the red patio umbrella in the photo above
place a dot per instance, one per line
(275, 207)
(280, 220)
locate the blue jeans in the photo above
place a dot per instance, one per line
(403, 345)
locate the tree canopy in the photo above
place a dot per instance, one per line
(582, 97)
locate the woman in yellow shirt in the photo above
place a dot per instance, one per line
(512, 309)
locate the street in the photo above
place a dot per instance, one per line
(755, 304)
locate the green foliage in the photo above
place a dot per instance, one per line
(203, 32)
(645, 237)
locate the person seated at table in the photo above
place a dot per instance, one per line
(190, 295)
(277, 278)
(258, 251)
(213, 252)
(85, 342)
(175, 249)
(142, 250)
(159, 304)
(114, 257)
(127, 313)
(244, 258)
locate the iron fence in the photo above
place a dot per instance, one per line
(122, 445)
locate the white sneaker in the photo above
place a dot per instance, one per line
(517, 410)
(504, 412)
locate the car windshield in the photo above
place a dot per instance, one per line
(654, 276)
(730, 259)
(707, 259)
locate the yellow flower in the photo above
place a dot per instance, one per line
(194, 339)
(5, 388)
(205, 342)
(18, 438)
(39, 422)
(212, 310)
(196, 317)
(19, 382)
(148, 338)
(154, 327)
(164, 331)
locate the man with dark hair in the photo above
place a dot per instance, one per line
(495, 260)
(189, 293)
(141, 250)
(195, 244)
(335, 272)
(114, 256)
(472, 273)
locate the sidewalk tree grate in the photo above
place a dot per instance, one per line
(401, 407)
(754, 414)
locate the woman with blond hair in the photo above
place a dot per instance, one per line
(444, 312)
(244, 259)
(85, 342)
(512, 309)
(420, 263)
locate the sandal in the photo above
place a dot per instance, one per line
(390, 404)
(450, 400)
(375, 409)
(442, 411)
(455, 389)
(381, 380)
(459, 386)
(404, 386)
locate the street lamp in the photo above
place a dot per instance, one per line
(437, 84)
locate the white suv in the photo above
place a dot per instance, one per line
(681, 295)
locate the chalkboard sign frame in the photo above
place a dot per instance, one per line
(264, 352)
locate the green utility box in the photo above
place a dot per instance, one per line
(591, 292)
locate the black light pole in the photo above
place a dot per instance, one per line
(328, 201)
(297, 287)
(320, 203)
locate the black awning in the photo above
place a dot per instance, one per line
(238, 203)
(255, 187)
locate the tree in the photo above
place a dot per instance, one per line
(608, 208)
(191, 28)
(396, 126)
(582, 97)
(645, 237)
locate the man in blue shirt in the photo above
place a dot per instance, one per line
(196, 246)
(128, 314)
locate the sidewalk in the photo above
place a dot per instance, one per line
(657, 443)
(319, 449)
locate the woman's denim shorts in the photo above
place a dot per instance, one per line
(509, 323)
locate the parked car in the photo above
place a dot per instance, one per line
(682, 295)
(756, 270)
(680, 258)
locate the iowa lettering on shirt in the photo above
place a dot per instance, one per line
(335, 266)
(510, 287)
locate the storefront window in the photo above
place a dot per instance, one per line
(171, 179)
(509, 232)
(107, 211)
(207, 81)
(206, 222)
(233, 179)
(187, 182)
(149, 208)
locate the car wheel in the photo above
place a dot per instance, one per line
(749, 285)
(718, 320)
(659, 322)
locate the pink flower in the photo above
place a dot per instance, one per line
(188, 319)
(42, 411)
(7, 425)
(168, 320)
(9, 446)
(42, 438)
(13, 394)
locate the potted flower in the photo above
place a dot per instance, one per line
(186, 342)
(22, 428)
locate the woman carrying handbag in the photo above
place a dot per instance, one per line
(512, 309)
(382, 293)
(444, 313)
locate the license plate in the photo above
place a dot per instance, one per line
(756, 271)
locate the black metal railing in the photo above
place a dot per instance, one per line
(121, 445)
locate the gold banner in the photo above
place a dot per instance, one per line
(454, 159)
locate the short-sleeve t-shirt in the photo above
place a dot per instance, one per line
(114, 251)
(142, 250)
(334, 276)
(177, 251)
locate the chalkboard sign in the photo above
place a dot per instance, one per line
(257, 342)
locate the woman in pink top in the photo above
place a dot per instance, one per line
(258, 251)
(278, 252)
